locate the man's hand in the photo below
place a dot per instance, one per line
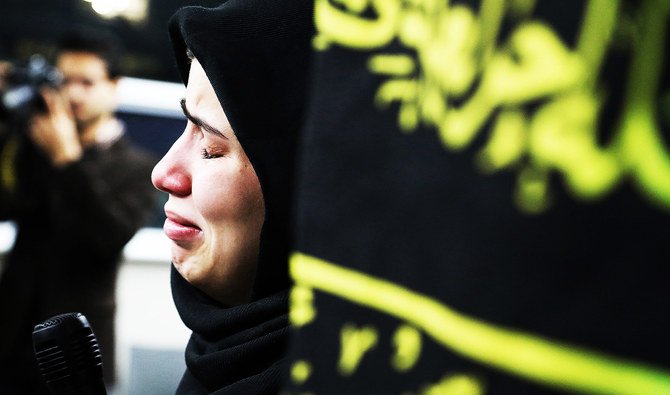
(5, 68)
(55, 131)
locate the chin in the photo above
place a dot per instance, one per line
(184, 267)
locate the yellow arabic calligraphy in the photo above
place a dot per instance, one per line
(350, 29)
(453, 57)
(529, 356)
(355, 343)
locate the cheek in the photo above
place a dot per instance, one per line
(100, 98)
(229, 197)
(109, 100)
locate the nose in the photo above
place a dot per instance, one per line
(171, 174)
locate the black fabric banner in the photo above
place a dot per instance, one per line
(484, 200)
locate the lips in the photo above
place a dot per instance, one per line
(177, 228)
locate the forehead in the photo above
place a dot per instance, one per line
(198, 83)
(82, 64)
(202, 101)
(200, 95)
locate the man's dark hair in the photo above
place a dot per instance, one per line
(101, 43)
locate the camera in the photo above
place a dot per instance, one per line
(20, 97)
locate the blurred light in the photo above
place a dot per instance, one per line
(133, 10)
(108, 7)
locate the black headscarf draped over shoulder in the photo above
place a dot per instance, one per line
(256, 55)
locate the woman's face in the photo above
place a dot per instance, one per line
(215, 209)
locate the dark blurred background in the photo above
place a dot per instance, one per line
(34, 26)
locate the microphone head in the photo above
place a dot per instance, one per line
(68, 354)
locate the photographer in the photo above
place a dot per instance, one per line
(78, 191)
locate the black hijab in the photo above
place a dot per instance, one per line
(256, 55)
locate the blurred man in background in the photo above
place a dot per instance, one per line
(77, 190)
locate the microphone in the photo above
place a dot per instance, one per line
(68, 355)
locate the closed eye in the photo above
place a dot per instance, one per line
(206, 155)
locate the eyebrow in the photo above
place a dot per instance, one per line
(199, 122)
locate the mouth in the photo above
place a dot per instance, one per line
(177, 228)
